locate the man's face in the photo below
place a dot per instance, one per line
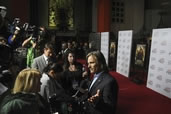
(92, 64)
(48, 52)
(3, 12)
(64, 46)
(69, 45)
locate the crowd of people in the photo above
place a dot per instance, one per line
(54, 81)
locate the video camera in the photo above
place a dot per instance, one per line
(32, 31)
(26, 30)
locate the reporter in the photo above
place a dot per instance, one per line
(52, 90)
(24, 98)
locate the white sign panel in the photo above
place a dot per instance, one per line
(159, 73)
(124, 52)
(105, 45)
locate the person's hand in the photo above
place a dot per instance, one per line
(30, 37)
(34, 45)
(84, 74)
(94, 97)
(27, 41)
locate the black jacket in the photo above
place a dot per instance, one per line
(24, 103)
(106, 103)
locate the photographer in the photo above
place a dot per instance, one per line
(4, 21)
(33, 43)
(14, 40)
(41, 40)
(30, 44)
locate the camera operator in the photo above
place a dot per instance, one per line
(30, 44)
(14, 39)
(3, 22)
(42, 39)
(33, 43)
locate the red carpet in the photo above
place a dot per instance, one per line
(138, 99)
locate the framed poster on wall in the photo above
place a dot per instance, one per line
(112, 49)
(112, 54)
(140, 55)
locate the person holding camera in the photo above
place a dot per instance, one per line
(4, 22)
(31, 45)
(14, 40)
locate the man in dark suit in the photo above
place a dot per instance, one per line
(41, 62)
(103, 89)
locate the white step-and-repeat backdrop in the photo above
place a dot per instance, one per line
(105, 45)
(124, 52)
(159, 73)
